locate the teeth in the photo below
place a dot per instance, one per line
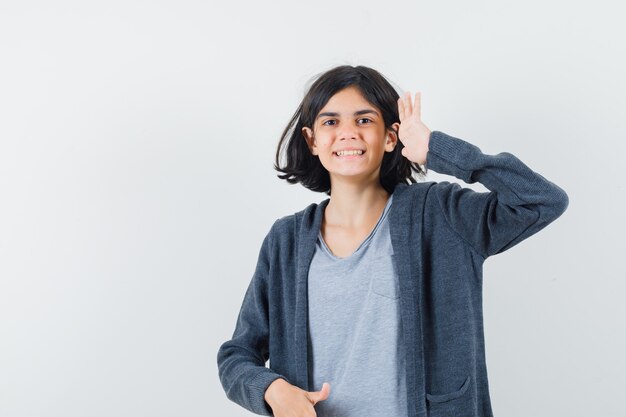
(346, 153)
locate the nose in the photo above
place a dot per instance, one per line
(348, 132)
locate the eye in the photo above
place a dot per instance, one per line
(365, 118)
(330, 120)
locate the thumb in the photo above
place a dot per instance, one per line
(321, 395)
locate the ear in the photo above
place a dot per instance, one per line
(310, 139)
(391, 140)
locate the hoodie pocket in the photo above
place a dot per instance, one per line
(443, 398)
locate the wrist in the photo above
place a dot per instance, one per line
(271, 391)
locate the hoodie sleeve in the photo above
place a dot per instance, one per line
(520, 202)
(241, 360)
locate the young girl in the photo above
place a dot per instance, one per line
(370, 302)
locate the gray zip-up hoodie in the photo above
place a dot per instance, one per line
(441, 234)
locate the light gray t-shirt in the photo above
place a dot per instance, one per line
(355, 329)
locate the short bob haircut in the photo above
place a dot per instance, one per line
(304, 167)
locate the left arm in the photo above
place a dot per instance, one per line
(520, 201)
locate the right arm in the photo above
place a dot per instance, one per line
(241, 360)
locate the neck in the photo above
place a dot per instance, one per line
(353, 204)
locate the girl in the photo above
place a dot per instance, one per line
(377, 290)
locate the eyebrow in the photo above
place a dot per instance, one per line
(356, 113)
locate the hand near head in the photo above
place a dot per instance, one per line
(288, 400)
(413, 134)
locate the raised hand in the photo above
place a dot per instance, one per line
(413, 133)
(288, 400)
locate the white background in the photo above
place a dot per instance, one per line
(136, 185)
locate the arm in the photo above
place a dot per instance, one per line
(520, 203)
(241, 360)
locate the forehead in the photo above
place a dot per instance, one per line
(348, 99)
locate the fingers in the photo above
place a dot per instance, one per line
(407, 108)
(417, 107)
(321, 395)
(325, 392)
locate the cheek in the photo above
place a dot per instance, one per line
(324, 145)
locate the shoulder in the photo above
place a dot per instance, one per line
(283, 224)
(431, 195)
(289, 224)
(438, 189)
(408, 194)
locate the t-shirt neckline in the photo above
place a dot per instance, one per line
(364, 242)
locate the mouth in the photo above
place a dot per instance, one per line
(349, 155)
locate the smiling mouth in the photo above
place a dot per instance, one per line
(350, 155)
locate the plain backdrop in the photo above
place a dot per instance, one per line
(136, 185)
